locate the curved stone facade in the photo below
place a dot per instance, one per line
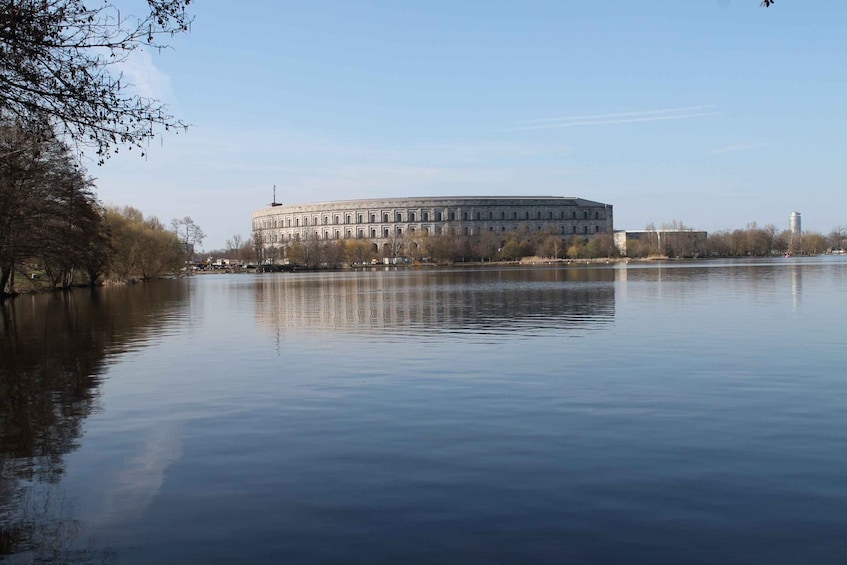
(381, 219)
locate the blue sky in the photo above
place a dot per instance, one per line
(715, 113)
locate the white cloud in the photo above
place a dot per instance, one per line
(144, 78)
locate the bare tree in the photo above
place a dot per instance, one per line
(59, 62)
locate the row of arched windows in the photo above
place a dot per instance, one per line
(425, 216)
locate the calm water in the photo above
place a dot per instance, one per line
(676, 413)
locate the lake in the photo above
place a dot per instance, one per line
(682, 412)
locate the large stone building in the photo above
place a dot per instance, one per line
(382, 219)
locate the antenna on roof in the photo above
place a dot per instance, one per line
(275, 203)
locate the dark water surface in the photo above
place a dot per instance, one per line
(673, 413)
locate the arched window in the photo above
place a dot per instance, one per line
(438, 216)
(596, 215)
(399, 217)
(305, 221)
(385, 218)
(515, 215)
(452, 216)
(465, 216)
(411, 216)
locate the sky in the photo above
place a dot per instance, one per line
(713, 113)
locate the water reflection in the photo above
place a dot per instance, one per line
(55, 349)
(506, 301)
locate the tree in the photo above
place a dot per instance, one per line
(143, 247)
(188, 233)
(50, 221)
(58, 66)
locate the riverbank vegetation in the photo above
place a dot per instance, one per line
(673, 240)
(55, 234)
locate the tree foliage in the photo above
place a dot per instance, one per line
(59, 62)
(50, 221)
(143, 248)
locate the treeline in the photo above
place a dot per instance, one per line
(421, 247)
(672, 240)
(675, 240)
(55, 234)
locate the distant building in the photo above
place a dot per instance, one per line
(673, 243)
(383, 219)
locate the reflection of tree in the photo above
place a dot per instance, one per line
(54, 350)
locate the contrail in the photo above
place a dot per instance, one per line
(619, 118)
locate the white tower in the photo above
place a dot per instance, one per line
(794, 225)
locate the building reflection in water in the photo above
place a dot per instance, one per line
(485, 301)
(55, 350)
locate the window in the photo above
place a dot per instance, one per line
(438, 216)
(373, 218)
(336, 220)
(596, 214)
(289, 222)
(585, 214)
(437, 230)
(574, 229)
(305, 221)
(426, 216)
(502, 215)
(297, 222)
(550, 215)
(515, 215)
(399, 217)
(452, 216)
(466, 230)
(478, 216)
(465, 216)
(385, 232)
(347, 219)
(360, 219)
(411, 216)
(399, 231)
(373, 233)
(490, 215)
(326, 220)
(574, 214)
(596, 229)
(584, 229)
(385, 218)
